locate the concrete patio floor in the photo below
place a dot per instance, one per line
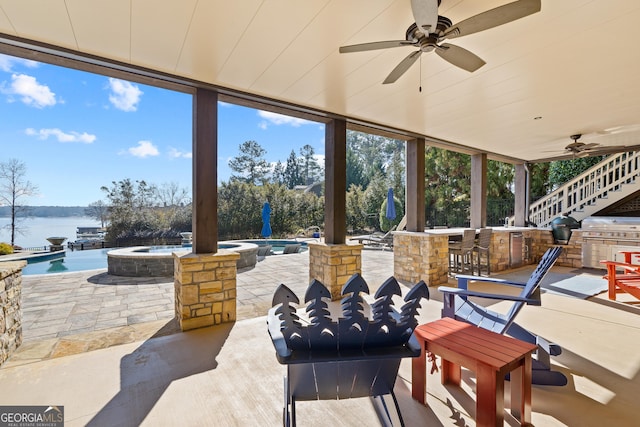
(228, 375)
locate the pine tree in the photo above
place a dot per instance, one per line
(292, 175)
(250, 165)
(310, 167)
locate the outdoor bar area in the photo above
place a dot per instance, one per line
(425, 255)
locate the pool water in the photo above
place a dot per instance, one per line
(94, 259)
(72, 261)
(90, 259)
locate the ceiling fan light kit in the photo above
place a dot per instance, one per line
(430, 30)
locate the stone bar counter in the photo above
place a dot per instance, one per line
(425, 255)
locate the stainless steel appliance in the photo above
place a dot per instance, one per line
(515, 249)
(605, 236)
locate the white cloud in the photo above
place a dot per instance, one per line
(124, 95)
(143, 149)
(61, 136)
(30, 91)
(280, 119)
(7, 62)
(177, 154)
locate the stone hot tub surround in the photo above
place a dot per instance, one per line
(10, 307)
(144, 261)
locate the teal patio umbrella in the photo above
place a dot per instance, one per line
(391, 206)
(266, 220)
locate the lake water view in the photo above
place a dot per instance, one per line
(37, 229)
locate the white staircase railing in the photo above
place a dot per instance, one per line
(612, 179)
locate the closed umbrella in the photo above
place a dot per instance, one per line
(266, 220)
(391, 206)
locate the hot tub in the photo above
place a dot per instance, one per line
(157, 261)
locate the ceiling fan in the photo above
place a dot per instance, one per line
(430, 29)
(580, 149)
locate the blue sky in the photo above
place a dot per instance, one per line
(76, 132)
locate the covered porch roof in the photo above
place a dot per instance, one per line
(569, 69)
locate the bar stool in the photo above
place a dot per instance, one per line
(481, 249)
(461, 253)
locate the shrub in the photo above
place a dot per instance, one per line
(5, 248)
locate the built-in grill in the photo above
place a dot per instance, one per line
(605, 236)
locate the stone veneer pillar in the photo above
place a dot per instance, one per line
(10, 308)
(420, 256)
(205, 287)
(333, 264)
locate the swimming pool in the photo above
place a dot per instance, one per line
(95, 259)
(72, 261)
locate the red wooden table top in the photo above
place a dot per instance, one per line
(471, 341)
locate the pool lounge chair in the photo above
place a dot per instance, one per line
(379, 238)
(263, 251)
(385, 240)
(291, 249)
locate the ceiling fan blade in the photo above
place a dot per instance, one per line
(554, 158)
(425, 14)
(612, 150)
(590, 146)
(402, 67)
(375, 46)
(460, 57)
(493, 18)
(591, 153)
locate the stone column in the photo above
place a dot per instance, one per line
(421, 256)
(10, 308)
(205, 286)
(333, 264)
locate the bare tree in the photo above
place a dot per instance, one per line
(171, 194)
(174, 205)
(14, 187)
(99, 211)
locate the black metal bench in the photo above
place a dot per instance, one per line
(352, 357)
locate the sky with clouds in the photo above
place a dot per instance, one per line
(76, 132)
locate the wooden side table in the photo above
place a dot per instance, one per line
(491, 356)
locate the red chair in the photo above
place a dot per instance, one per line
(626, 281)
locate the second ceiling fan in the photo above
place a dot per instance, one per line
(431, 29)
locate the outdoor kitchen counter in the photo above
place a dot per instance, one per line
(459, 230)
(605, 237)
(425, 255)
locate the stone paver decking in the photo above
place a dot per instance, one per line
(69, 313)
